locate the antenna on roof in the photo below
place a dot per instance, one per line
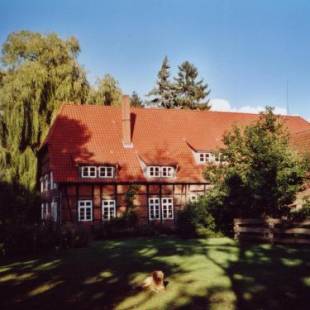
(287, 104)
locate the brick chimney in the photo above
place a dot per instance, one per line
(126, 126)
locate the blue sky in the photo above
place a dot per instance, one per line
(245, 50)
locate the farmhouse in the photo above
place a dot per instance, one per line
(94, 154)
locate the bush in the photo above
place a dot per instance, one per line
(31, 239)
(74, 236)
(195, 221)
(302, 213)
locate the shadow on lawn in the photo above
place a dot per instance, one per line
(202, 274)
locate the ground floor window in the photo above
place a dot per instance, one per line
(166, 210)
(85, 210)
(54, 210)
(108, 209)
(44, 211)
(154, 208)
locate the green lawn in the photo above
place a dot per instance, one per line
(214, 273)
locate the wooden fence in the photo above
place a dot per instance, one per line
(273, 230)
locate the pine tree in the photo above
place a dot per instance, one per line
(191, 94)
(135, 100)
(106, 92)
(40, 72)
(163, 94)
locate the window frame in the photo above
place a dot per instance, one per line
(85, 207)
(166, 205)
(153, 171)
(46, 182)
(155, 205)
(54, 211)
(111, 204)
(162, 205)
(88, 169)
(158, 171)
(209, 157)
(42, 185)
(106, 174)
(44, 211)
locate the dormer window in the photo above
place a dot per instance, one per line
(106, 172)
(153, 171)
(160, 171)
(97, 172)
(89, 172)
(167, 172)
(204, 157)
(207, 157)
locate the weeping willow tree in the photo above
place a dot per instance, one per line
(106, 92)
(38, 73)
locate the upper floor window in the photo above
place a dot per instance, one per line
(97, 172)
(204, 157)
(106, 172)
(46, 182)
(42, 184)
(89, 172)
(160, 171)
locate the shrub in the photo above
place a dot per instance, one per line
(30, 239)
(195, 221)
(74, 236)
(302, 213)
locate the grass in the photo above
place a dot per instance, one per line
(202, 274)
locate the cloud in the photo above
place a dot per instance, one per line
(223, 105)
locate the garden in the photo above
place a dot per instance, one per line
(214, 273)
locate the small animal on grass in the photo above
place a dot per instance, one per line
(155, 282)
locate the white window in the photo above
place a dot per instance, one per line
(44, 211)
(108, 209)
(85, 210)
(167, 208)
(89, 171)
(106, 172)
(167, 171)
(54, 210)
(53, 184)
(153, 171)
(46, 182)
(166, 211)
(154, 208)
(205, 157)
(160, 171)
(42, 185)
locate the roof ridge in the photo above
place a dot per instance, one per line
(71, 104)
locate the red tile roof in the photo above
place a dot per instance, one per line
(301, 141)
(93, 134)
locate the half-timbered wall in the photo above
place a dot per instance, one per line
(70, 195)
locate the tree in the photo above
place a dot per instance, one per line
(106, 92)
(163, 94)
(262, 174)
(135, 100)
(191, 94)
(39, 73)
